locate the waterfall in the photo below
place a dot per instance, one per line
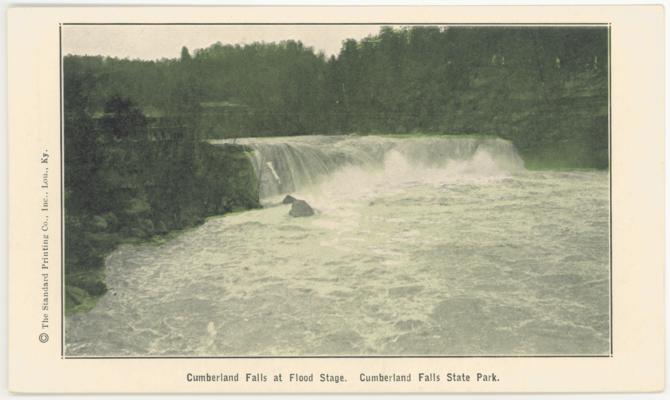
(287, 164)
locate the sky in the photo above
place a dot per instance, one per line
(152, 42)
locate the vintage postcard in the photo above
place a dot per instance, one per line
(336, 200)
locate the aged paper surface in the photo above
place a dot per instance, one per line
(381, 319)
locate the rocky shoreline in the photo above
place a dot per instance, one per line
(224, 183)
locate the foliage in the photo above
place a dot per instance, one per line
(545, 88)
(123, 119)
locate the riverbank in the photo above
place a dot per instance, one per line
(155, 204)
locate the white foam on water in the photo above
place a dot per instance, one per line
(419, 246)
(293, 164)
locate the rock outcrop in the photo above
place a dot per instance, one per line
(300, 208)
(288, 199)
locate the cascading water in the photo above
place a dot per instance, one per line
(420, 246)
(287, 164)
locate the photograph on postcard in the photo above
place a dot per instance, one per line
(330, 190)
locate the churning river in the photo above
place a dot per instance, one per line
(419, 246)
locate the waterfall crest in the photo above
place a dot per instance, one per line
(287, 164)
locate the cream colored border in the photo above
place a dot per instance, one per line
(638, 212)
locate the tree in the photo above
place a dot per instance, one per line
(185, 55)
(123, 119)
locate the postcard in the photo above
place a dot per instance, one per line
(336, 199)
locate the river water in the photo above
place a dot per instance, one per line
(419, 246)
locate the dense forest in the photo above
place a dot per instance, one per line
(137, 163)
(544, 88)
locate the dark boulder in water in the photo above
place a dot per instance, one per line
(288, 199)
(300, 208)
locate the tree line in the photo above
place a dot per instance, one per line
(545, 88)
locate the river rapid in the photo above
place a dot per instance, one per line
(419, 246)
